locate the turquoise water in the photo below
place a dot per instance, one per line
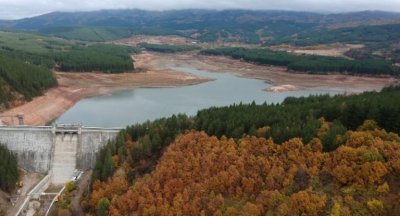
(139, 105)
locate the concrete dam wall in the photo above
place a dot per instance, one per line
(59, 149)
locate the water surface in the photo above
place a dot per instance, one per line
(139, 105)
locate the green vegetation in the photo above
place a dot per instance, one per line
(166, 48)
(95, 34)
(299, 117)
(8, 169)
(69, 55)
(26, 61)
(32, 48)
(102, 33)
(100, 57)
(33, 43)
(26, 79)
(304, 63)
(380, 40)
(382, 34)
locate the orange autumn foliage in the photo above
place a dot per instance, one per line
(202, 175)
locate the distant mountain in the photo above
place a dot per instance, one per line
(204, 25)
(210, 24)
(183, 18)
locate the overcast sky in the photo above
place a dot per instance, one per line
(14, 9)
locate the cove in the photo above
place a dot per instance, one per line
(129, 107)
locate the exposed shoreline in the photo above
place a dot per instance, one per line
(155, 72)
(74, 87)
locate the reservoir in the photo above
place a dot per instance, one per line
(139, 105)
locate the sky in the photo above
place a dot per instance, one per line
(16, 9)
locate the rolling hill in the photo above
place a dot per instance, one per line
(204, 25)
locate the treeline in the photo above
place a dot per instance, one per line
(100, 57)
(306, 63)
(24, 78)
(299, 117)
(167, 48)
(8, 169)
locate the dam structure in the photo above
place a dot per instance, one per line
(58, 150)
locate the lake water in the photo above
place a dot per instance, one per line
(139, 105)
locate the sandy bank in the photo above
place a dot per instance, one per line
(276, 76)
(281, 88)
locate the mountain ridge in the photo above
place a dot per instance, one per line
(137, 17)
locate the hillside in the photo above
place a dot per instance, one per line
(376, 31)
(21, 81)
(201, 175)
(381, 41)
(204, 25)
(27, 61)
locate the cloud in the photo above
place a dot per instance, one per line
(25, 8)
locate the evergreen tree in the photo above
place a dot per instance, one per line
(9, 174)
(108, 166)
(102, 207)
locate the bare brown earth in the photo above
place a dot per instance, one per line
(173, 40)
(177, 40)
(154, 71)
(277, 76)
(334, 50)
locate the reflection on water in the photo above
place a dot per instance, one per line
(136, 106)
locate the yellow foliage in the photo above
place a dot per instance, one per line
(231, 211)
(307, 203)
(261, 132)
(376, 207)
(335, 210)
(384, 188)
(70, 186)
(324, 127)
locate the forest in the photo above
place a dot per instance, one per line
(99, 57)
(307, 63)
(66, 55)
(203, 175)
(103, 33)
(310, 147)
(166, 48)
(8, 169)
(22, 78)
(375, 34)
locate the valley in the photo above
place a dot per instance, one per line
(200, 112)
(154, 71)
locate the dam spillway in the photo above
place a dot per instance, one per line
(59, 150)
